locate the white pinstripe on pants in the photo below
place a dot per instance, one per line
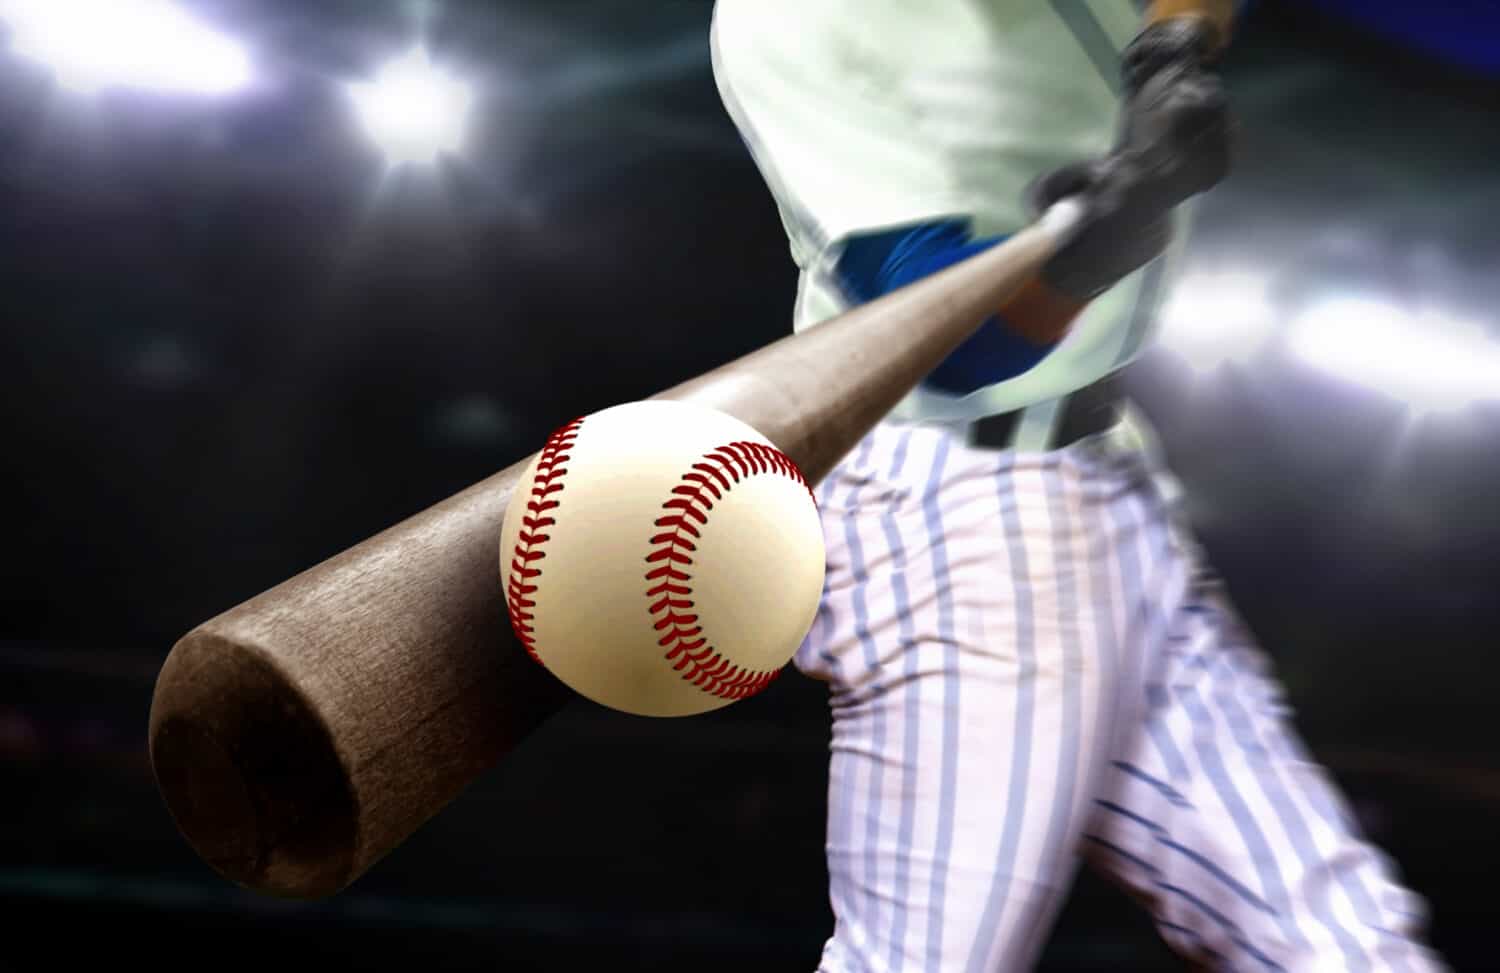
(1028, 662)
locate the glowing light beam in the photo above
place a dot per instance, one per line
(412, 110)
(1427, 359)
(1213, 318)
(90, 45)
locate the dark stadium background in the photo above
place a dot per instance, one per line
(233, 344)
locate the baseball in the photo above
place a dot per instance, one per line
(661, 558)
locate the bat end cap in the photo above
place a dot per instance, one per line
(249, 772)
(207, 796)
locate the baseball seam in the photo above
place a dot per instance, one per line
(687, 647)
(545, 483)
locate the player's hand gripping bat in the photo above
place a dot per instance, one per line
(299, 737)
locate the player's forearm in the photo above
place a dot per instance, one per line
(1219, 14)
(1174, 144)
(1041, 314)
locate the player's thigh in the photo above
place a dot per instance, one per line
(974, 673)
(1215, 813)
(944, 838)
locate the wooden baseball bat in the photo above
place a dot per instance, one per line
(299, 737)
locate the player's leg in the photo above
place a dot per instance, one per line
(969, 689)
(1213, 812)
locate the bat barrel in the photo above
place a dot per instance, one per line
(250, 770)
(299, 737)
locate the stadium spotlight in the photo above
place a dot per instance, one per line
(1429, 360)
(1211, 318)
(90, 45)
(412, 110)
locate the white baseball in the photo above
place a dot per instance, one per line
(661, 558)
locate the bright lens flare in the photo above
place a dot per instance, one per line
(413, 111)
(91, 45)
(1213, 318)
(1430, 361)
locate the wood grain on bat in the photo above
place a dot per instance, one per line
(299, 737)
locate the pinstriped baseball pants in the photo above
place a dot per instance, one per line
(1030, 665)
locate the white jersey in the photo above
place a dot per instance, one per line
(1026, 656)
(870, 114)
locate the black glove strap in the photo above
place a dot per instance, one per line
(1179, 42)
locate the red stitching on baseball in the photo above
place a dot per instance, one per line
(546, 483)
(692, 499)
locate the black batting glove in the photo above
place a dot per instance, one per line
(1176, 115)
(1174, 142)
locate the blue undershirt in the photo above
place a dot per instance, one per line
(875, 264)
